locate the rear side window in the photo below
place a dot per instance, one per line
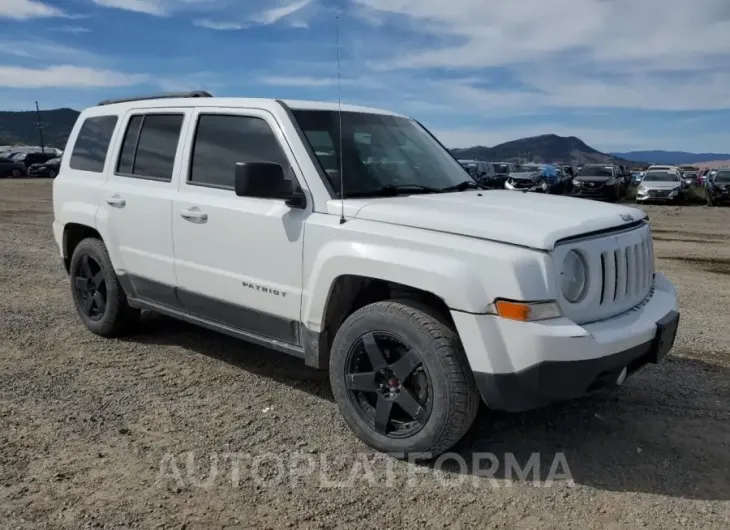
(149, 146)
(222, 141)
(92, 144)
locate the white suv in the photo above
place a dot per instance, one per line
(416, 289)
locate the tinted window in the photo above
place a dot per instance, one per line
(149, 146)
(222, 141)
(92, 144)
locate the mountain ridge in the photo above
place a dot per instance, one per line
(671, 157)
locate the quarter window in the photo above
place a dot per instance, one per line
(149, 146)
(221, 141)
(92, 144)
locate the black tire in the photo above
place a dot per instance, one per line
(91, 265)
(451, 397)
(16, 173)
(52, 174)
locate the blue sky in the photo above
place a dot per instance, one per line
(619, 74)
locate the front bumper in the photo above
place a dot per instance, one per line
(603, 192)
(644, 196)
(525, 365)
(533, 186)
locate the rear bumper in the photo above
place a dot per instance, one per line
(524, 365)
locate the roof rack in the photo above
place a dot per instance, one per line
(193, 94)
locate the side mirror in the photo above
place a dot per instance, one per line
(266, 180)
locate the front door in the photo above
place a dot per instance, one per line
(238, 260)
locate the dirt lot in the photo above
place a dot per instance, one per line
(93, 431)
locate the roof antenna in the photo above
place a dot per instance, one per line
(339, 114)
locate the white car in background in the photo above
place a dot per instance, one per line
(661, 185)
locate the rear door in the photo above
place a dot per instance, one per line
(137, 201)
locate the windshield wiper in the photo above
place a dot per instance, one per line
(463, 186)
(393, 190)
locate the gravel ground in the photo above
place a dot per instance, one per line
(124, 433)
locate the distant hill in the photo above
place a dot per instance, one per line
(671, 157)
(544, 148)
(20, 128)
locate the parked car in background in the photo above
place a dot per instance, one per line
(636, 177)
(661, 185)
(28, 159)
(598, 181)
(718, 188)
(541, 178)
(48, 168)
(479, 170)
(11, 168)
(702, 176)
(501, 173)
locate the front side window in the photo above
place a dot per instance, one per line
(149, 146)
(222, 141)
(378, 151)
(92, 144)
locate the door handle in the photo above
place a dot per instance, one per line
(117, 201)
(194, 214)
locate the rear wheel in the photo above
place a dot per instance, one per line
(402, 380)
(99, 298)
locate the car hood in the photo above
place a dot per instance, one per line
(527, 175)
(661, 185)
(528, 220)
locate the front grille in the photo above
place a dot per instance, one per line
(519, 183)
(659, 193)
(626, 272)
(592, 185)
(620, 273)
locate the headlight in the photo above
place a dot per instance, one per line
(573, 276)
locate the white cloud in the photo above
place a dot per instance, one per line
(219, 26)
(75, 30)
(25, 9)
(66, 76)
(292, 12)
(150, 7)
(274, 15)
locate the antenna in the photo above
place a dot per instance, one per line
(339, 114)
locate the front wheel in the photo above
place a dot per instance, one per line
(16, 173)
(99, 298)
(402, 381)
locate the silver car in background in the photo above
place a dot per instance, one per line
(661, 185)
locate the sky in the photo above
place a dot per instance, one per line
(619, 74)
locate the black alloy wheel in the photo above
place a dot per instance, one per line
(90, 286)
(388, 384)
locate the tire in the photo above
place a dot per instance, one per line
(52, 174)
(16, 173)
(437, 377)
(103, 308)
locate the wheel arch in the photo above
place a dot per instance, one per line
(73, 234)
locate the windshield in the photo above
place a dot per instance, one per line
(377, 151)
(596, 171)
(661, 176)
(19, 157)
(723, 176)
(501, 168)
